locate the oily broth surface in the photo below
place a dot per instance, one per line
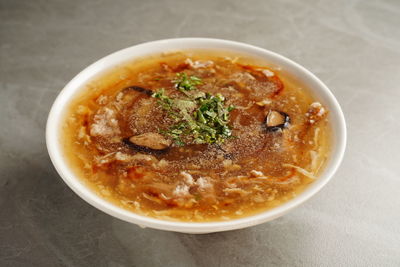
(220, 187)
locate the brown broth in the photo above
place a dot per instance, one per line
(243, 176)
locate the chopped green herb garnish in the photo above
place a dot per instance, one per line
(183, 82)
(166, 103)
(201, 118)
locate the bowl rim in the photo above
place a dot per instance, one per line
(78, 186)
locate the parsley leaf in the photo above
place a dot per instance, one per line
(201, 118)
(183, 82)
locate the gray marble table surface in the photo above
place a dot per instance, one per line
(353, 46)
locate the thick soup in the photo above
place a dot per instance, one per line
(196, 136)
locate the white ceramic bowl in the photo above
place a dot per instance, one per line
(310, 81)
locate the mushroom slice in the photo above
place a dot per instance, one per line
(139, 89)
(148, 142)
(131, 94)
(276, 120)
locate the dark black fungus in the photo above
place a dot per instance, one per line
(276, 120)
